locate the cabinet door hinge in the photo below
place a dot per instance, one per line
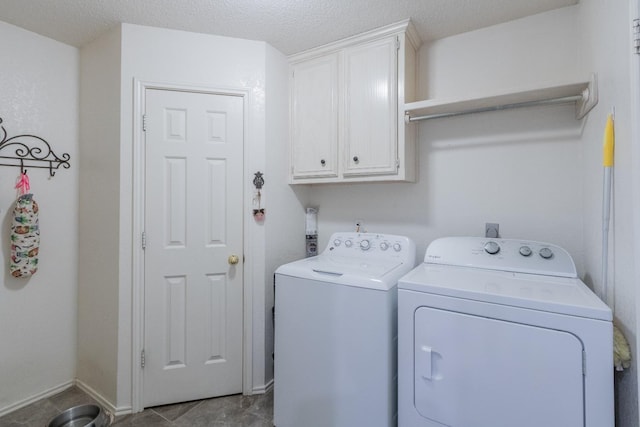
(144, 123)
(397, 42)
(144, 240)
(142, 361)
(636, 36)
(397, 163)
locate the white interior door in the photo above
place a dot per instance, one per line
(193, 225)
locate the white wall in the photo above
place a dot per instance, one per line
(520, 168)
(176, 57)
(39, 87)
(99, 217)
(200, 60)
(220, 62)
(605, 29)
(535, 50)
(536, 171)
(285, 204)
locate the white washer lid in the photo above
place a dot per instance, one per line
(562, 295)
(372, 274)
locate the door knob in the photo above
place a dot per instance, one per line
(233, 259)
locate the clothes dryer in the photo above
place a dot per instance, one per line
(502, 333)
(336, 333)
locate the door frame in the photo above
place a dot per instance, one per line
(138, 214)
(634, 10)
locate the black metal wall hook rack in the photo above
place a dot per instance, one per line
(30, 151)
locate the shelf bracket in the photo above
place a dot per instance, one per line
(589, 98)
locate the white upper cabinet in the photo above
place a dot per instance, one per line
(347, 102)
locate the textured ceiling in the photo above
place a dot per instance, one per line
(290, 26)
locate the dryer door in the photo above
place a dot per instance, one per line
(477, 371)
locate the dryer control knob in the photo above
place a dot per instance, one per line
(525, 250)
(397, 247)
(365, 245)
(491, 248)
(384, 246)
(337, 242)
(348, 243)
(546, 253)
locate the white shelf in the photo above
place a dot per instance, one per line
(584, 94)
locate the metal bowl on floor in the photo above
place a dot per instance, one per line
(81, 416)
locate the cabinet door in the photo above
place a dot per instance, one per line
(314, 118)
(371, 103)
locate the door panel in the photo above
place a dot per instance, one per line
(193, 223)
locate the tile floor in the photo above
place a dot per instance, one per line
(228, 411)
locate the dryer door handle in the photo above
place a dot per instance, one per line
(424, 358)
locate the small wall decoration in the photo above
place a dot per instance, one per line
(30, 151)
(258, 182)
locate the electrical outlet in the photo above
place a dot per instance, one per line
(491, 230)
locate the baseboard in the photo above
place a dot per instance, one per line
(42, 395)
(263, 389)
(101, 400)
(106, 404)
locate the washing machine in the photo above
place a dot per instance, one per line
(336, 333)
(502, 333)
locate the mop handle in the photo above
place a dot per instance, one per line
(607, 163)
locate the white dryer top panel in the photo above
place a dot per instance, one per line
(544, 284)
(523, 256)
(366, 260)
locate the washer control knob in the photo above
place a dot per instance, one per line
(348, 243)
(491, 248)
(365, 244)
(384, 246)
(397, 247)
(525, 250)
(337, 242)
(546, 253)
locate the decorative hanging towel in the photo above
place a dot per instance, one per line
(25, 237)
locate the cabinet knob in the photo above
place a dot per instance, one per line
(323, 162)
(355, 159)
